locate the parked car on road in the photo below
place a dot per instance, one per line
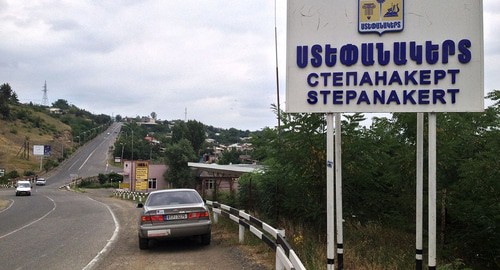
(40, 181)
(23, 188)
(174, 213)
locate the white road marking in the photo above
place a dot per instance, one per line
(111, 241)
(33, 222)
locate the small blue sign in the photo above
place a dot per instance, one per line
(46, 150)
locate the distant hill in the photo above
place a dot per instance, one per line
(24, 125)
(30, 126)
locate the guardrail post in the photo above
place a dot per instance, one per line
(242, 233)
(216, 217)
(279, 263)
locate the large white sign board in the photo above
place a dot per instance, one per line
(384, 56)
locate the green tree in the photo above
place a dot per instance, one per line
(293, 185)
(61, 104)
(230, 157)
(468, 147)
(6, 94)
(177, 157)
(193, 131)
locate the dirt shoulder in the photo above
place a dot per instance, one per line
(223, 253)
(4, 204)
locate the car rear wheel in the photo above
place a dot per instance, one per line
(205, 239)
(143, 243)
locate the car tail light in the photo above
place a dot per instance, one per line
(195, 215)
(151, 218)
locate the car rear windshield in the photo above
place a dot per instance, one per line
(174, 198)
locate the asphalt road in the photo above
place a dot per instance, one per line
(56, 228)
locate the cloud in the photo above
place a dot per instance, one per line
(215, 59)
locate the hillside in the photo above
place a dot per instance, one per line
(31, 127)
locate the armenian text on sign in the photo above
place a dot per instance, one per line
(141, 170)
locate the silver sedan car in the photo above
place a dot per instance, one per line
(174, 213)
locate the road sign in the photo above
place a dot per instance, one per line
(384, 56)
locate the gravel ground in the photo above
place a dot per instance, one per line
(221, 254)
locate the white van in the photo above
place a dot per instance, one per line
(23, 188)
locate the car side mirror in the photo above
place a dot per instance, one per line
(140, 205)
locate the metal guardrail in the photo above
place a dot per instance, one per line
(286, 258)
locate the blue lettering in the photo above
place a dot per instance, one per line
(302, 56)
(423, 96)
(367, 54)
(416, 53)
(379, 97)
(408, 97)
(337, 79)
(350, 95)
(316, 59)
(453, 93)
(330, 56)
(310, 80)
(453, 73)
(349, 54)
(438, 94)
(312, 97)
(400, 53)
(425, 77)
(438, 75)
(354, 75)
(410, 77)
(383, 56)
(395, 79)
(381, 77)
(463, 47)
(363, 97)
(325, 94)
(325, 76)
(366, 79)
(448, 49)
(431, 52)
(393, 97)
(337, 97)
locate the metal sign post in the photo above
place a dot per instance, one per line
(330, 197)
(338, 192)
(419, 192)
(432, 191)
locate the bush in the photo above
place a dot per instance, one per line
(103, 179)
(29, 173)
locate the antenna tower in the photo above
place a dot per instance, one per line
(45, 100)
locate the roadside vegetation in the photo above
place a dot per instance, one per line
(379, 188)
(24, 125)
(110, 180)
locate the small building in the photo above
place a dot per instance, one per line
(141, 176)
(212, 179)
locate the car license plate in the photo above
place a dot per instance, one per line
(176, 217)
(158, 233)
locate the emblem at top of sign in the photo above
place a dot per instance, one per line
(379, 16)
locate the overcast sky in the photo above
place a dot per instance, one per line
(207, 60)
